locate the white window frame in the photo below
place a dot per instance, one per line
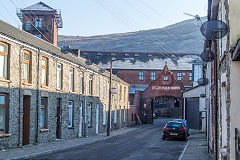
(90, 84)
(104, 114)
(81, 82)
(71, 79)
(98, 86)
(124, 114)
(105, 89)
(59, 76)
(89, 114)
(115, 115)
(70, 114)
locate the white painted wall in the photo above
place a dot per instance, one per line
(196, 92)
(235, 104)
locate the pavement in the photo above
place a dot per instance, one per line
(195, 149)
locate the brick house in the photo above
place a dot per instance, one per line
(47, 95)
(158, 91)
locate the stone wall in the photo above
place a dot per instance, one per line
(16, 89)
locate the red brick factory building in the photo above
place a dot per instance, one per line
(156, 80)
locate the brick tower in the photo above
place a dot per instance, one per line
(42, 21)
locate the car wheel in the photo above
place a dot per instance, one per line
(163, 138)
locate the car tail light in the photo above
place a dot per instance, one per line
(165, 128)
(182, 129)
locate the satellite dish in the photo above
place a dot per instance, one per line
(65, 49)
(101, 70)
(88, 62)
(202, 95)
(207, 56)
(214, 29)
(202, 81)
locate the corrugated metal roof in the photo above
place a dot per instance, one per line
(40, 6)
(137, 87)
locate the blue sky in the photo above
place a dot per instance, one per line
(98, 17)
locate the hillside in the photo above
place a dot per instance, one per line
(182, 37)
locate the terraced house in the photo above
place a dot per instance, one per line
(47, 95)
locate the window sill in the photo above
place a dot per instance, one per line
(5, 80)
(72, 92)
(44, 130)
(71, 127)
(27, 84)
(4, 135)
(43, 86)
(58, 89)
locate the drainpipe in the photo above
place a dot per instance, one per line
(20, 87)
(37, 101)
(216, 104)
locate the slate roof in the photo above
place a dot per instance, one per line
(31, 40)
(40, 6)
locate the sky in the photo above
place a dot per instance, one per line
(99, 17)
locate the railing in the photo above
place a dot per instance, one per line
(237, 144)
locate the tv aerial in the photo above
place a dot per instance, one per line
(198, 18)
(214, 29)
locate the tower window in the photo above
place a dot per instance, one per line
(27, 25)
(38, 22)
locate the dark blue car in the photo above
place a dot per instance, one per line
(185, 124)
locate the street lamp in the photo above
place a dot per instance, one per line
(110, 96)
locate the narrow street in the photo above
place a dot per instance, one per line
(144, 143)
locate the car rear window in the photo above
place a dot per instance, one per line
(174, 125)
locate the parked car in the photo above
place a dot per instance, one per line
(174, 129)
(185, 124)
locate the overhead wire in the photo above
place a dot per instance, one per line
(162, 29)
(35, 16)
(9, 13)
(31, 22)
(162, 49)
(131, 24)
(125, 21)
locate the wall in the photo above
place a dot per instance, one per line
(234, 108)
